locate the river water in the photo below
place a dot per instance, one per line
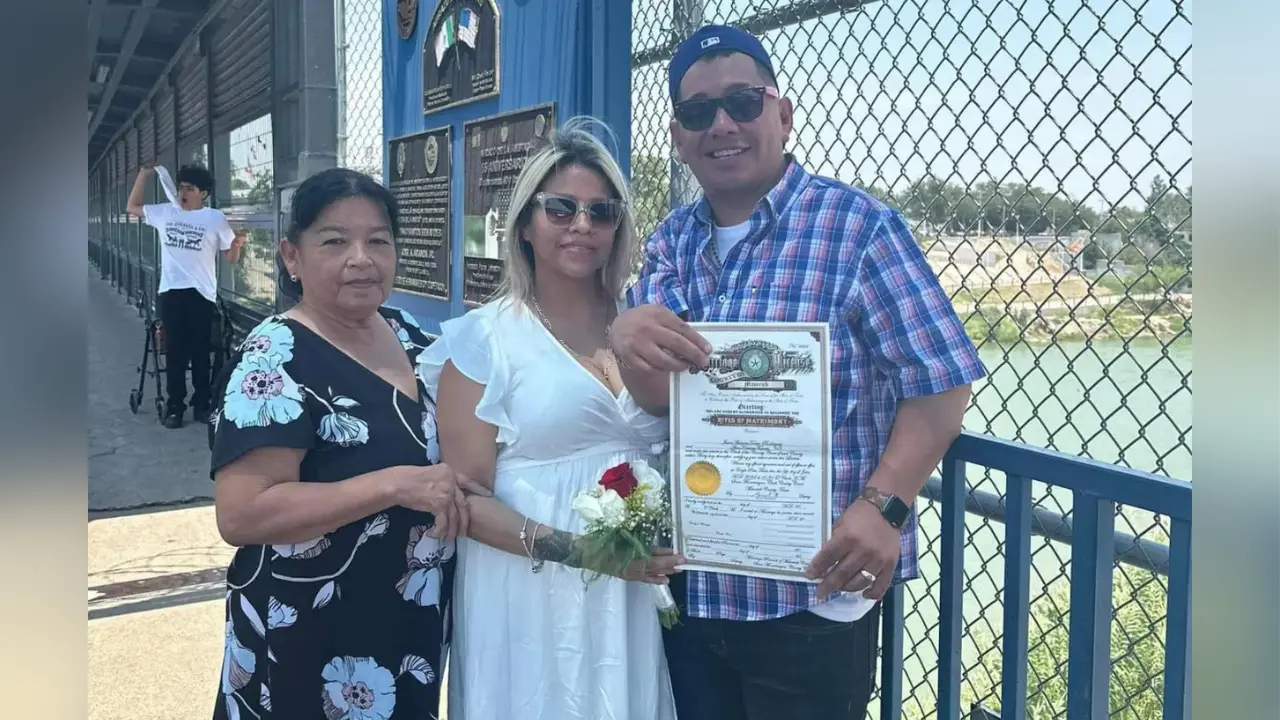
(1130, 406)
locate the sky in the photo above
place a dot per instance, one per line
(1092, 97)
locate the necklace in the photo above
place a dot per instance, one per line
(608, 350)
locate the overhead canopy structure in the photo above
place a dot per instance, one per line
(131, 46)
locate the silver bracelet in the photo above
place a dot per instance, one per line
(535, 565)
(524, 535)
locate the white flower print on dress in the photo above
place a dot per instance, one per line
(429, 432)
(339, 427)
(343, 429)
(304, 550)
(358, 689)
(421, 581)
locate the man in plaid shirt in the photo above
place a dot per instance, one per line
(770, 242)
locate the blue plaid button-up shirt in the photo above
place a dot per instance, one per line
(818, 251)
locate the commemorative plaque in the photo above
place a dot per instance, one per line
(460, 54)
(421, 181)
(406, 17)
(494, 152)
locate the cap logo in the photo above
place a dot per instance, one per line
(709, 42)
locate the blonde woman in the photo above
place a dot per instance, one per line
(533, 407)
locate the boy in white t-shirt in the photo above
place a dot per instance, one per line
(191, 235)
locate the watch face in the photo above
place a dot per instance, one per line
(895, 511)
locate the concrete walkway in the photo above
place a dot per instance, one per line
(134, 461)
(155, 561)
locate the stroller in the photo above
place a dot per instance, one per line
(153, 354)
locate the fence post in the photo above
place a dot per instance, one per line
(1089, 633)
(687, 17)
(1017, 597)
(951, 587)
(304, 97)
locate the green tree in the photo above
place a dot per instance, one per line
(650, 191)
(1013, 208)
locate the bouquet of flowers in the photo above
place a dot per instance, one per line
(626, 514)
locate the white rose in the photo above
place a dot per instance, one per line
(646, 475)
(613, 508)
(588, 506)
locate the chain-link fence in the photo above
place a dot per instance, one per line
(358, 41)
(1041, 151)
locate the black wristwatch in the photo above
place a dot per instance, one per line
(895, 511)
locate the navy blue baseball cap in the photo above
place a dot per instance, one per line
(712, 38)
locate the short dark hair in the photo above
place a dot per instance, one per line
(198, 176)
(315, 195)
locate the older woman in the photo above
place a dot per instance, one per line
(327, 477)
(533, 405)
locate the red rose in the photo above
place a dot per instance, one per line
(619, 479)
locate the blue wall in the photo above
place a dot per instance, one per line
(576, 53)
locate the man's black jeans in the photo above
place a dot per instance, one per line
(799, 667)
(188, 333)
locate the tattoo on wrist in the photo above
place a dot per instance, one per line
(556, 547)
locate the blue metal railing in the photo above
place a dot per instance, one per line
(1095, 547)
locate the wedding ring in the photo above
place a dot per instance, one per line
(870, 578)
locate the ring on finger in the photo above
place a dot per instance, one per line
(870, 578)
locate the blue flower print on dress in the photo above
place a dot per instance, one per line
(280, 615)
(272, 337)
(358, 689)
(260, 393)
(401, 334)
(238, 664)
(421, 581)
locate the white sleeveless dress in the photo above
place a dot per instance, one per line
(529, 646)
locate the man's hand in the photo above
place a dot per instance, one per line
(241, 236)
(651, 338)
(862, 540)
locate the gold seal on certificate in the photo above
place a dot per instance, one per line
(751, 450)
(702, 478)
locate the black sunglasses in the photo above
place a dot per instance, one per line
(563, 210)
(741, 106)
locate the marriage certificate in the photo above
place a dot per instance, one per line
(751, 450)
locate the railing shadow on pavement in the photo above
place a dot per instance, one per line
(1096, 488)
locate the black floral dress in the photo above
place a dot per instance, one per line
(353, 625)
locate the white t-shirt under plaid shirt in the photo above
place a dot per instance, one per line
(818, 251)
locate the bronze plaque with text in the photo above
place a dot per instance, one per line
(494, 151)
(460, 54)
(422, 181)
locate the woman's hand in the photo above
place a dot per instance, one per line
(438, 489)
(657, 569)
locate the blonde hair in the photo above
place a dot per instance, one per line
(571, 145)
